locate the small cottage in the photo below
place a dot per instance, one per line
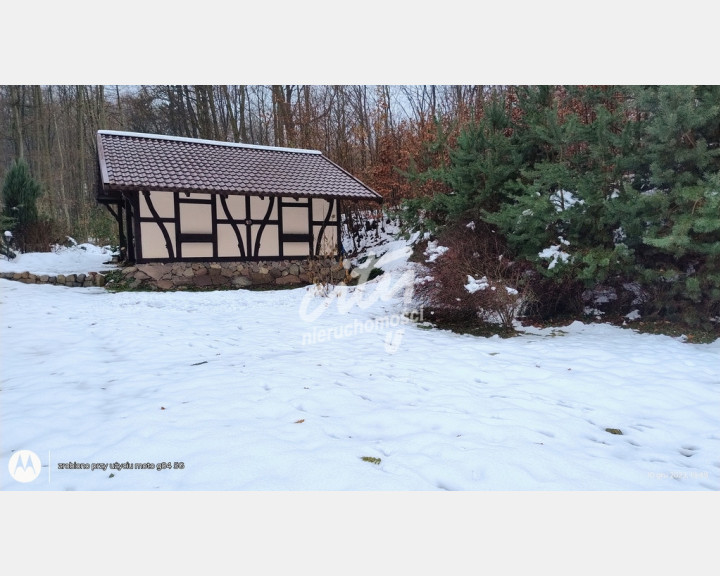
(190, 200)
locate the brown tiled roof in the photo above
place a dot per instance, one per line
(130, 161)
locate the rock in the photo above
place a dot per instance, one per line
(129, 270)
(203, 280)
(289, 279)
(165, 284)
(80, 278)
(60, 278)
(241, 281)
(99, 280)
(154, 271)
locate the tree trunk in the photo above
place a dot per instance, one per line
(17, 94)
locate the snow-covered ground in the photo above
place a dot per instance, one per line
(76, 259)
(307, 390)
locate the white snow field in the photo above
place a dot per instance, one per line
(305, 390)
(76, 259)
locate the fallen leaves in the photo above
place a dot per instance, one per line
(371, 459)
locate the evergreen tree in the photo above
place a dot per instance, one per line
(679, 200)
(481, 163)
(568, 199)
(599, 185)
(19, 197)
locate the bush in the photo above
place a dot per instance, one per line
(473, 280)
(42, 235)
(555, 298)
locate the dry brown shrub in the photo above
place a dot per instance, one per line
(475, 251)
(39, 236)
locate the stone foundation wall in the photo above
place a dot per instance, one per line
(233, 274)
(183, 275)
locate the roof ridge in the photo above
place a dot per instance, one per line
(203, 141)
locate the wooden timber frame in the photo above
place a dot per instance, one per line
(169, 226)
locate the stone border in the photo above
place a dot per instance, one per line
(73, 280)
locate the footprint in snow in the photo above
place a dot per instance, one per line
(688, 451)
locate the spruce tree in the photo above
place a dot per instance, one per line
(600, 185)
(19, 197)
(19, 194)
(568, 196)
(679, 202)
(481, 164)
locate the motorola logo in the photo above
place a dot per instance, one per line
(24, 466)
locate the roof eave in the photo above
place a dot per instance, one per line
(377, 197)
(110, 190)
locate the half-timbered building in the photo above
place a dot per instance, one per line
(184, 199)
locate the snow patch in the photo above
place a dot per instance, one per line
(76, 259)
(433, 251)
(634, 315)
(474, 284)
(555, 253)
(563, 200)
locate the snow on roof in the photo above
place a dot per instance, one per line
(202, 141)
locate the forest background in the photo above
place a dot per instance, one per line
(570, 187)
